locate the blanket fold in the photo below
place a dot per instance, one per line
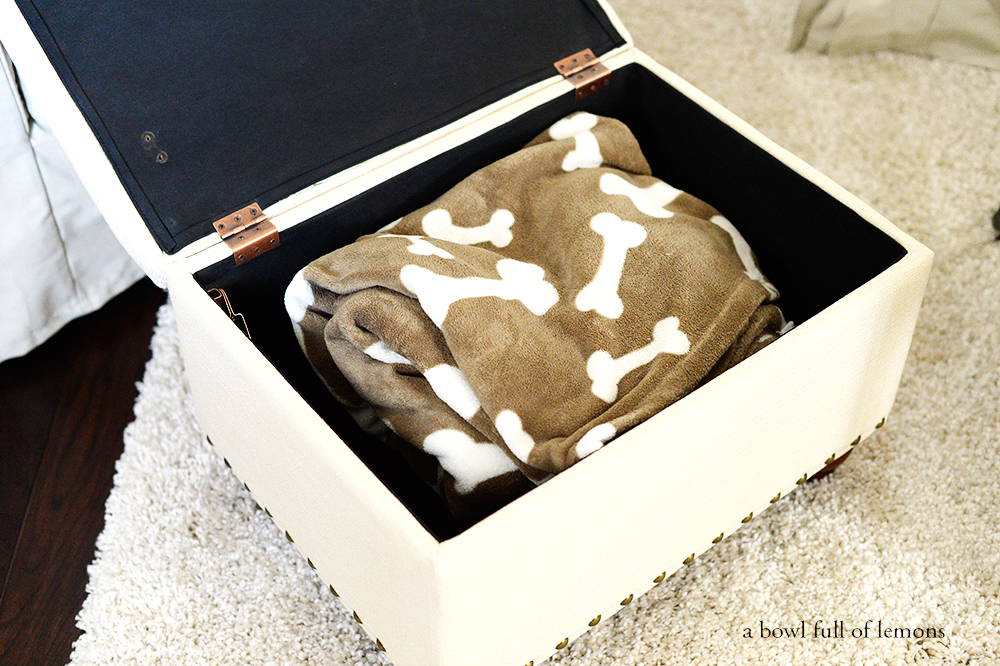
(544, 305)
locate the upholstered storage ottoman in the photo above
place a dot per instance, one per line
(315, 124)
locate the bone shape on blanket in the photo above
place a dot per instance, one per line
(298, 298)
(606, 372)
(381, 352)
(520, 443)
(587, 154)
(650, 200)
(602, 292)
(469, 462)
(420, 245)
(518, 281)
(745, 254)
(447, 381)
(595, 438)
(438, 224)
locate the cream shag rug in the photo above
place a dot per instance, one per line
(907, 531)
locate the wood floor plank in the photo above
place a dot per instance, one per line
(26, 414)
(85, 377)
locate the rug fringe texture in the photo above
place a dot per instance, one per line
(190, 571)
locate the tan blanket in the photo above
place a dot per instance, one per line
(544, 305)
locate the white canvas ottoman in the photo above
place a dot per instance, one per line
(331, 121)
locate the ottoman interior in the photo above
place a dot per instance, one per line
(814, 248)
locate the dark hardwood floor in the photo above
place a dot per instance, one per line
(63, 409)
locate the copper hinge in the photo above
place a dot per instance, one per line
(248, 233)
(585, 71)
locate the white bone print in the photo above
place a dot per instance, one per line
(587, 154)
(517, 440)
(449, 384)
(381, 352)
(438, 224)
(602, 292)
(606, 372)
(746, 255)
(421, 246)
(468, 461)
(595, 438)
(391, 225)
(298, 297)
(650, 200)
(518, 281)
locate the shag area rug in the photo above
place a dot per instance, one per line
(906, 532)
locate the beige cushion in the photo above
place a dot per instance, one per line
(965, 31)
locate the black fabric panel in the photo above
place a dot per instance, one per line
(814, 248)
(252, 100)
(811, 246)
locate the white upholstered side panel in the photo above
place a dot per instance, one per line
(542, 568)
(361, 540)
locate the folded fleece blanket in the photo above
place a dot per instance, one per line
(544, 305)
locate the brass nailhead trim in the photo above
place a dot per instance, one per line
(268, 513)
(310, 563)
(289, 537)
(802, 480)
(563, 643)
(719, 538)
(596, 621)
(379, 645)
(658, 579)
(209, 440)
(856, 441)
(227, 463)
(880, 423)
(333, 591)
(246, 486)
(626, 601)
(689, 559)
(831, 459)
(356, 618)
(748, 518)
(775, 498)
(530, 663)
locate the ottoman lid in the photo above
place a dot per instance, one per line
(203, 107)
